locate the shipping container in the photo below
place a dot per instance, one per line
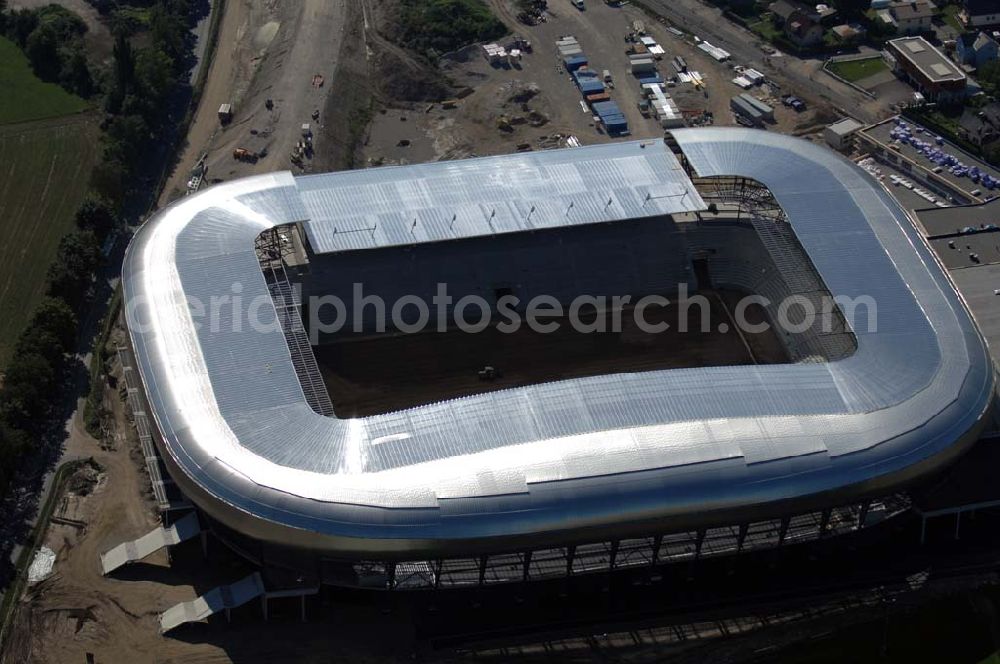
(643, 67)
(575, 62)
(745, 110)
(766, 111)
(599, 97)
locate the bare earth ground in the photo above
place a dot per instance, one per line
(267, 50)
(393, 372)
(412, 133)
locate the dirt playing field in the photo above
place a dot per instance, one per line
(393, 372)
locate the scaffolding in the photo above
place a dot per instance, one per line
(133, 387)
(649, 551)
(273, 247)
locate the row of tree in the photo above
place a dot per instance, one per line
(135, 91)
(52, 38)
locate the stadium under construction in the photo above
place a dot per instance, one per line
(382, 458)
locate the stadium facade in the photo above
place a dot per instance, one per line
(568, 475)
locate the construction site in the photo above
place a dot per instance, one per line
(130, 569)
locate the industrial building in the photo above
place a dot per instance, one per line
(840, 135)
(951, 174)
(568, 472)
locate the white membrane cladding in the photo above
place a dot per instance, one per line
(547, 457)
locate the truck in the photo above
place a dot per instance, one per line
(578, 4)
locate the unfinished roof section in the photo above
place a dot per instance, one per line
(383, 207)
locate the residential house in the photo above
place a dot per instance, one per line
(981, 126)
(802, 30)
(976, 49)
(783, 10)
(980, 13)
(912, 17)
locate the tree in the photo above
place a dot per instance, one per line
(27, 390)
(42, 49)
(124, 73)
(154, 73)
(75, 75)
(95, 214)
(72, 274)
(51, 332)
(13, 444)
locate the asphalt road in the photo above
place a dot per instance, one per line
(800, 77)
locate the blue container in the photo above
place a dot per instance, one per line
(591, 86)
(574, 62)
(650, 79)
(603, 108)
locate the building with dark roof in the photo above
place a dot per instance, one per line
(928, 69)
(980, 13)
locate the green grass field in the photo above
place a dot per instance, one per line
(855, 70)
(44, 175)
(24, 96)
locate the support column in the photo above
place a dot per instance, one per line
(700, 541)
(784, 530)
(863, 514)
(526, 570)
(204, 543)
(923, 528)
(615, 545)
(824, 521)
(958, 522)
(482, 569)
(570, 556)
(657, 543)
(263, 605)
(303, 608)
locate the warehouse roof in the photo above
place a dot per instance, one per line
(533, 461)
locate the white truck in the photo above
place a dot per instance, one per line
(578, 4)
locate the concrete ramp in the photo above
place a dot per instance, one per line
(131, 551)
(215, 600)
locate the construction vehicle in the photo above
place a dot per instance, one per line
(242, 154)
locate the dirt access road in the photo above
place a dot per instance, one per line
(267, 50)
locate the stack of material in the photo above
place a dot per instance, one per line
(663, 107)
(714, 51)
(568, 47)
(494, 52)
